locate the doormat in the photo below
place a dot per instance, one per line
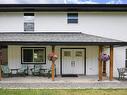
(70, 75)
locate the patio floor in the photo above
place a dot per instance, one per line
(60, 82)
(58, 79)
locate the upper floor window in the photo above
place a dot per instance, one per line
(28, 21)
(72, 18)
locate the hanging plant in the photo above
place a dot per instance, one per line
(105, 57)
(52, 56)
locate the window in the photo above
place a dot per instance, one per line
(33, 55)
(78, 53)
(67, 53)
(126, 59)
(28, 21)
(72, 18)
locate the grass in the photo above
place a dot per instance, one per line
(63, 92)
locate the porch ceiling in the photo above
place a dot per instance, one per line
(56, 38)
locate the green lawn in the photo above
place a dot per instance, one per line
(63, 92)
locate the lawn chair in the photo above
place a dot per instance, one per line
(36, 70)
(23, 70)
(6, 71)
(121, 72)
(49, 73)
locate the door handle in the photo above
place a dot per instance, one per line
(72, 63)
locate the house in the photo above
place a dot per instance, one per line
(77, 33)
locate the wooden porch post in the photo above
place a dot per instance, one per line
(111, 64)
(0, 62)
(100, 64)
(53, 63)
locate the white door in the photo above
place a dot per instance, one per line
(73, 61)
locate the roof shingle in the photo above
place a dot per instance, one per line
(53, 37)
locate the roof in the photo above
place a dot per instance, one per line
(62, 7)
(58, 38)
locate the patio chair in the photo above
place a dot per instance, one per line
(6, 72)
(23, 70)
(36, 70)
(49, 73)
(121, 72)
(43, 71)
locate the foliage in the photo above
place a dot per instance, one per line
(105, 57)
(52, 56)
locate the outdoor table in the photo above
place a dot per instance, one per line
(14, 70)
(42, 69)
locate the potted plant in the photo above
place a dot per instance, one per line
(52, 56)
(104, 57)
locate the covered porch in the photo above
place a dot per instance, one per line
(58, 79)
(81, 82)
(55, 43)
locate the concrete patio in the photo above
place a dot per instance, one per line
(58, 79)
(60, 82)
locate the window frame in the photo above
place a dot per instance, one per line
(67, 55)
(33, 48)
(32, 24)
(28, 22)
(78, 54)
(72, 18)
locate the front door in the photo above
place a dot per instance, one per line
(73, 61)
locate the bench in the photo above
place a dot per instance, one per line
(122, 73)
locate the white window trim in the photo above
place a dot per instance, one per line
(33, 55)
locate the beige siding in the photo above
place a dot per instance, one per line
(111, 25)
(11, 22)
(119, 59)
(92, 60)
(14, 57)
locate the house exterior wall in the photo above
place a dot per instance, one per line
(108, 24)
(111, 25)
(11, 22)
(14, 57)
(119, 57)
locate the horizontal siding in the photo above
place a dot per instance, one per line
(107, 24)
(14, 57)
(11, 22)
(119, 59)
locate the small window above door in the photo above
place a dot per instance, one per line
(67, 53)
(78, 53)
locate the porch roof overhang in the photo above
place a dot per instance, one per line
(62, 7)
(55, 38)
